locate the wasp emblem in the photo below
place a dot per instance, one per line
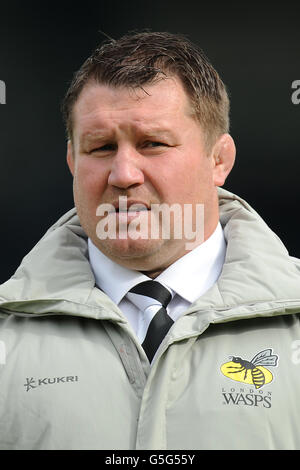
(254, 372)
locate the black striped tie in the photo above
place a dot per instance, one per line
(144, 295)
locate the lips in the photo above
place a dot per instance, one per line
(125, 205)
(133, 209)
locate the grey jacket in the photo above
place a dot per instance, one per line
(227, 376)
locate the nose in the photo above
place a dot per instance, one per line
(126, 169)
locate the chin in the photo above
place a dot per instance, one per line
(130, 252)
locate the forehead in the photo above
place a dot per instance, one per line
(101, 106)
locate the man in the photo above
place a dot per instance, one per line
(116, 336)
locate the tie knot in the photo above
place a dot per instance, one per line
(149, 293)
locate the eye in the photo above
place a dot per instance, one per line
(153, 144)
(104, 148)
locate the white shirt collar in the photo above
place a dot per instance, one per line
(190, 276)
(193, 274)
(115, 280)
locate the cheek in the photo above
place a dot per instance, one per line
(185, 180)
(88, 187)
(89, 182)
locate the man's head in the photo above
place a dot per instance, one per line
(147, 119)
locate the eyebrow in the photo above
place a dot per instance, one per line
(91, 136)
(157, 131)
(147, 131)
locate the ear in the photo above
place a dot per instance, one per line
(70, 157)
(223, 157)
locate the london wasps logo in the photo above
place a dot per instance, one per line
(254, 372)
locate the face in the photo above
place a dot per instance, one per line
(145, 149)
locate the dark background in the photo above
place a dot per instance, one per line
(254, 46)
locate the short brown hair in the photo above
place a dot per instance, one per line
(140, 58)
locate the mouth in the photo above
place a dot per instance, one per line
(132, 209)
(126, 214)
(130, 206)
